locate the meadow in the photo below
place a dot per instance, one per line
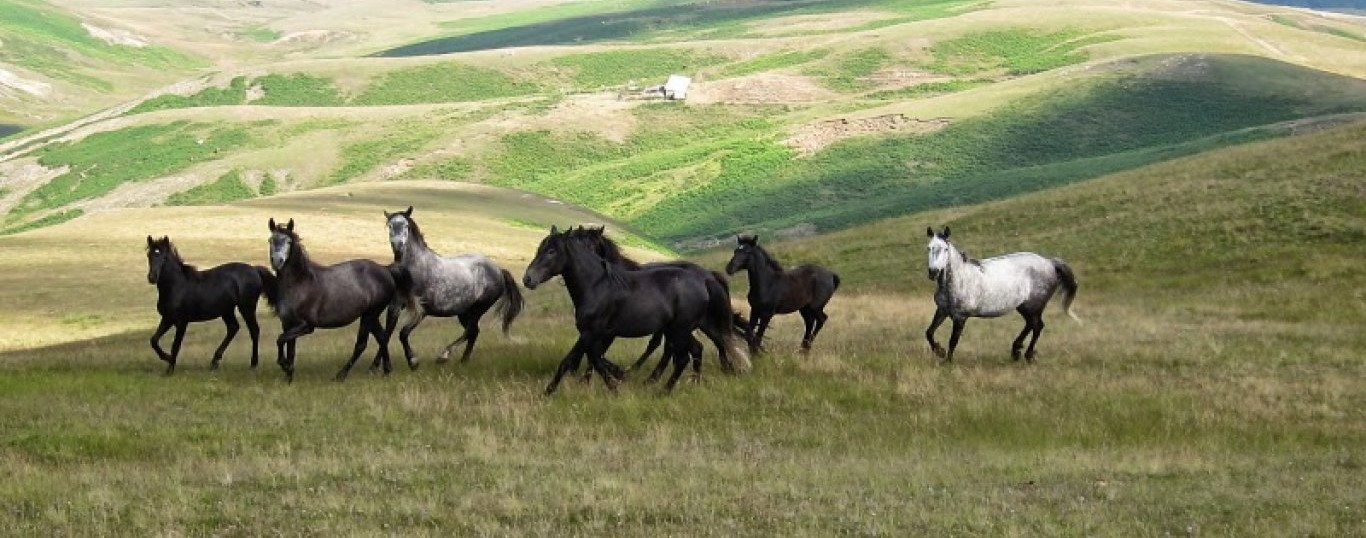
(1214, 388)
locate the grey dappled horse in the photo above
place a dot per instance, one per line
(965, 287)
(463, 286)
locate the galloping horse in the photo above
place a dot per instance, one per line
(186, 295)
(609, 251)
(772, 290)
(964, 287)
(463, 286)
(316, 296)
(611, 303)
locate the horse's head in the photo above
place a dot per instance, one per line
(282, 241)
(938, 251)
(158, 252)
(400, 230)
(745, 247)
(551, 259)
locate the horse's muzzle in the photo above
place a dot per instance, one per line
(934, 275)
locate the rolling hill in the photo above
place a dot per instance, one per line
(807, 117)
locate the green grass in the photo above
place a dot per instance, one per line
(928, 89)
(1214, 389)
(101, 162)
(774, 61)
(718, 170)
(50, 41)
(298, 89)
(616, 68)
(847, 72)
(227, 188)
(655, 21)
(444, 82)
(268, 186)
(450, 169)
(234, 94)
(47, 220)
(262, 34)
(365, 155)
(1014, 51)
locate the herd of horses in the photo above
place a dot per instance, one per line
(613, 297)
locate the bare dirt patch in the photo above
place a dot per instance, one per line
(18, 178)
(812, 138)
(602, 114)
(116, 36)
(759, 89)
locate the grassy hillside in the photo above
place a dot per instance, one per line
(1214, 389)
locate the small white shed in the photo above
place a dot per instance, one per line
(677, 87)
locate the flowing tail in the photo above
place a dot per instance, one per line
(1069, 287)
(510, 305)
(270, 287)
(720, 324)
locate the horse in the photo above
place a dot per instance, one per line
(610, 303)
(464, 286)
(186, 295)
(609, 251)
(313, 296)
(965, 287)
(773, 290)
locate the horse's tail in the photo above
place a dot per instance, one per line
(836, 278)
(510, 305)
(1069, 287)
(720, 319)
(270, 287)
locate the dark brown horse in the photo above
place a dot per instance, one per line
(186, 295)
(773, 290)
(315, 296)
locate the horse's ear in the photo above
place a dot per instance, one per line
(387, 215)
(409, 212)
(290, 226)
(946, 232)
(272, 224)
(554, 229)
(929, 232)
(149, 241)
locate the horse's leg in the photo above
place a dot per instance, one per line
(1018, 344)
(229, 319)
(809, 321)
(939, 315)
(663, 363)
(162, 327)
(1038, 329)
(362, 340)
(286, 345)
(751, 331)
(253, 329)
(649, 350)
(757, 346)
(679, 347)
(403, 334)
(696, 354)
(471, 324)
(820, 323)
(391, 315)
(381, 333)
(721, 355)
(958, 324)
(610, 373)
(570, 359)
(175, 345)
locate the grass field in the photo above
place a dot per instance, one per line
(1215, 387)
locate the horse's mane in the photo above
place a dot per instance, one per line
(578, 238)
(772, 263)
(416, 231)
(174, 255)
(610, 250)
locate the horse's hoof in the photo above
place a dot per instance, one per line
(341, 376)
(1029, 357)
(213, 365)
(586, 379)
(1015, 355)
(939, 352)
(443, 359)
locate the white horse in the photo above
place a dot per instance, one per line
(463, 286)
(1021, 281)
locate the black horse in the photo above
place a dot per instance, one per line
(315, 296)
(609, 251)
(186, 295)
(610, 303)
(772, 290)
